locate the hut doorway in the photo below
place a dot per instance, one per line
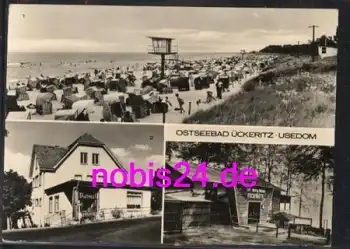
(254, 212)
(173, 214)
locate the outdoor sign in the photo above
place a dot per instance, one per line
(256, 194)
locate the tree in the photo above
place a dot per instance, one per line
(221, 154)
(156, 199)
(315, 163)
(171, 147)
(17, 193)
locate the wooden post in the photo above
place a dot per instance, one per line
(289, 231)
(276, 230)
(164, 116)
(328, 236)
(189, 107)
(257, 226)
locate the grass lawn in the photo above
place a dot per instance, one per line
(293, 92)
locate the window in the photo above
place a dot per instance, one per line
(89, 177)
(36, 202)
(57, 204)
(83, 158)
(134, 200)
(39, 204)
(39, 180)
(78, 177)
(50, 205)
(95, 159)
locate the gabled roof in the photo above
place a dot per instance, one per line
(50, 157)
(47, 156)
(214, 175)
(86, 139)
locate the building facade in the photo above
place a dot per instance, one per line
(235, 206)
(62, 185)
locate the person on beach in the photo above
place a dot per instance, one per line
(127, 117)
(210, 97)
(181, 103)
(167, 101)
(219, 89)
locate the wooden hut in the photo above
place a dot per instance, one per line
(11, 101)
(118, 84)
(18, 115)
(139, 105)
(53, 80)
(43, 81)
(81, 95)
(244, 206)
(12, 84)
(67, 91)
(116, 102)
(21, 93)
(43, 103)
(185, 212)
(32, 82)
(70, 79)
(84, 107)
(68, 101)
(95, 93)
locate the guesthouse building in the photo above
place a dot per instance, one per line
(62, 185)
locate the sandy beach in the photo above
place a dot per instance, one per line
(190, 97)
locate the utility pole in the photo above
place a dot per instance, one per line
(313, 44)
(242, 53)
(298, 49)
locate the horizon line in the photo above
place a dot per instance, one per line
(105, 52)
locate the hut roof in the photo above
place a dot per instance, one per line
(71, 98)
(67, 112)
(113, 97)
(18, 115)
(44, 97)
(80, 94)
(11, 93)
(80, 105)
(176, 198)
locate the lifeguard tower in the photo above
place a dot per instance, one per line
(162, 46)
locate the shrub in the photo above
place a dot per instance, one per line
(117, 213)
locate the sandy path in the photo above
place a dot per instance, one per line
(192, 96)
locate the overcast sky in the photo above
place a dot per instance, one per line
(138, 143)
(59, 28)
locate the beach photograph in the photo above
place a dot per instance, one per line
(254, 66)
(51, 193)
(290, 203)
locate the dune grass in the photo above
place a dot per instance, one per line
(293, 92)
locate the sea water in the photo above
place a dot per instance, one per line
(59, 64)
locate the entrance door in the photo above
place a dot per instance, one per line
(172, 217)
(85, 203)
(253, 212)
